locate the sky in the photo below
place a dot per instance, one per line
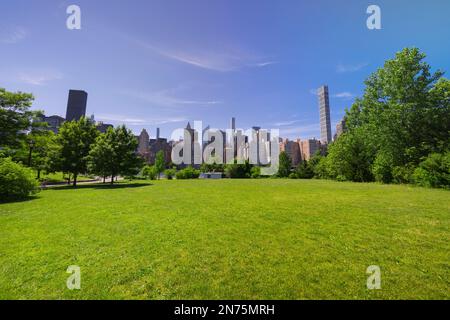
(162, 63)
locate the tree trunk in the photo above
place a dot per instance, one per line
(39, 174)
(74, 180)
(104, 179)
(112, 179)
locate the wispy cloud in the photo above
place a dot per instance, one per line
(12, 35)
(223, 60)
(265, 64)
(285, 123)
(39, 78)
(138, 121)
(168, 99)
(344, 95)
(343, 68)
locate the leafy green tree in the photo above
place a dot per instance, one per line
(114, 153)
(403, 116)
(75, 139)
(160, 163)
(285, 165)
(351, 158)
(16, 118)
(99, 159)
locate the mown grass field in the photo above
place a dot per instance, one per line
(227, 239)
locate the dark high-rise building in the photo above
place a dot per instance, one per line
(325, 119)
(76, 105)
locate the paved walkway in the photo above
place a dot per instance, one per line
(82, 182)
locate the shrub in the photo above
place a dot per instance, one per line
(150, 172)
(255, 172)
(238, 171)
(188, 173)
(434, 171)
(16, 181)
(382, 167)
(170, 173)
(304, 171)
(403, 175)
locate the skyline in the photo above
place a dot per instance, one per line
(161, 66)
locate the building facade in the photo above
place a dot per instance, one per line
(340, 129)
(309, 148)
(76, 105)
(53, 123)
(325, 118)
(292, 148)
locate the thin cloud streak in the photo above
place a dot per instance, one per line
(39, 78)
(165, 98)
(341, 68)
(13, 35)
(135, 121)
(344, 95)
(223, 61)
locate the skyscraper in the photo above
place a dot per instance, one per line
(233, 123)
(76, 105)
(325, 120)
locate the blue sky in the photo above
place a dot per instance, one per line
(161, 63)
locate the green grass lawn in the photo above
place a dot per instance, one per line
(227, 239)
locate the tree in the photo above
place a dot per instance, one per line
(350, 158)
(403, 116)
(100, 157)
(285, 164)
(114, 154)
(160, 163)
(75, 139)
(16, 118)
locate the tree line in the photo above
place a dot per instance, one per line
(397, 132)
(78, 148)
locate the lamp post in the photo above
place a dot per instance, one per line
(31, 144)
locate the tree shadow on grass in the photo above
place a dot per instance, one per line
(16, 200)
(101, 186)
